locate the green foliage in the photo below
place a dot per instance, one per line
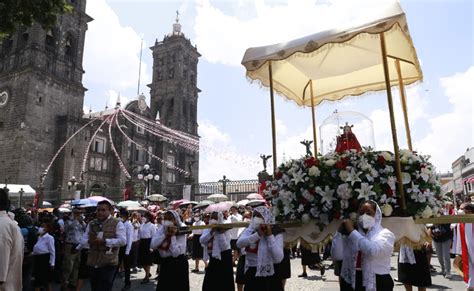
(15, 13)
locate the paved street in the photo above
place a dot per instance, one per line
(312, 282)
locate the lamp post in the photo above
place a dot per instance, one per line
(148, 174)
(21, 197)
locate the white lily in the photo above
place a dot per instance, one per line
(353, 177)
(298, 177)
(327, 196)
(365, 191)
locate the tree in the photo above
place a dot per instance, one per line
(15, 13)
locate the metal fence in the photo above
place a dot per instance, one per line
(235, 190)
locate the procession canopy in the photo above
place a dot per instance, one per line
(340, 62)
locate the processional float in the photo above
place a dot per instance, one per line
(374, 55)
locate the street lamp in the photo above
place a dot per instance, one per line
(148, 175)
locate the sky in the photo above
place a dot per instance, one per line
(234, 114)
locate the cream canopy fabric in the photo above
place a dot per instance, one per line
(340, 62)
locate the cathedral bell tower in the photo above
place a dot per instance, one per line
(174, 96)
(40, 84)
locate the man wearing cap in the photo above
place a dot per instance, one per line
(73, 232)
(105, 236)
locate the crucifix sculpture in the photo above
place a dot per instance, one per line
(190, 167)
(264, 160)
(307, 144)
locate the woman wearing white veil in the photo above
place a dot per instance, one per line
(263, 250)
(219, 272)
(365, 252)
(174, 271)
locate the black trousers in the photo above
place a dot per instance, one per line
(127, 262)
(383, 283)
(102, 279)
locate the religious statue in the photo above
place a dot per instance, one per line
(307, 144)
(265, 159)
(347, 140)
(190, 167)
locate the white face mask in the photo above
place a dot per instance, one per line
(144, 220)
(41, 231)
(167, 223)
(256, 222)
(196, 218)
(366, 221)
(213, 221)
(461, 212)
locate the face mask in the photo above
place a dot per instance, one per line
(167, 223)
(366, 221)
(461, 212)
(41, 231)
(196, 219)
(256, 222)
(144, 220)
(213, 221)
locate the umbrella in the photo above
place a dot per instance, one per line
(220, 207)
(176, 203)
(100, 198)
(157, 198)
(255, 203)
(64, 210)
(81, 202)
(243, 202)
(46, 204)
(203, 204)
(65, 205)
(129, 203)
(153, 208)
(137, 208)
(185, 204)
(254, 196)
(217, 197)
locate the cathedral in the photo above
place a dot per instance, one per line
(41, 106)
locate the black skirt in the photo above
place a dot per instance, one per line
(382, 282)
(219, 273)
(283, 269)
(308, 258)
(83, 272)
(174, 274)
(417, 274)
(145, 257)
(197, 247)
(240, 273)
(42, 271)
(252, 283)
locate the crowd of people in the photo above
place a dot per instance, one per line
(39, 248)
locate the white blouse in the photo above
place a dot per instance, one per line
(147, 230)
(198, 223)
(274, 245)
(45, 245)
(177, 244)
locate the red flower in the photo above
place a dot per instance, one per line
(342, 163)
(274, 192)
(381, 160)
(279, 175)
(312, 161)
(389, 192)
(337, 215)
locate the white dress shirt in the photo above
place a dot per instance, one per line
(45, 245)
(119, 241)
(129, 234)
(147, 230)
(136, 229)
(234, 232)
(198, 223)
(177, 244)
(274, 245)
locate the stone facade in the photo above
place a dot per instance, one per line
(41, 73)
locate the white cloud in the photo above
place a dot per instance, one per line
(218, 157)
(111, 54)
(271, 23)
(451, 133)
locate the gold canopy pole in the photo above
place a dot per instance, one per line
(392, 121)
(404, 103)
(272, 104)
(314, 119)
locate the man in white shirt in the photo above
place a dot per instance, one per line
(11, 250)
(234, 217)
(105, 236)
(125, 250)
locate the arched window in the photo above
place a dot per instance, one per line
(50, 40)
(70, 48)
